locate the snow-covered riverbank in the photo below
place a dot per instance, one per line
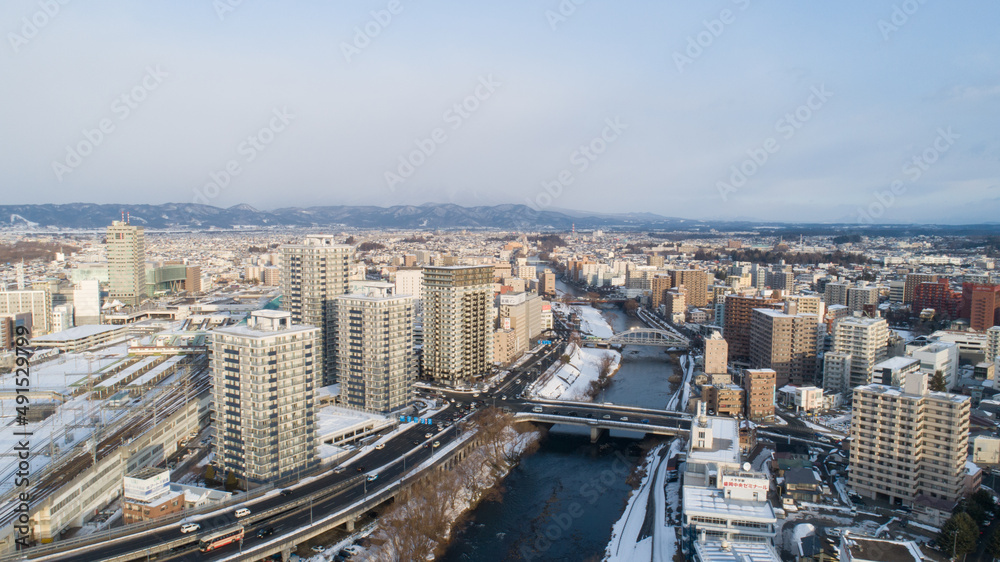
(571, 381)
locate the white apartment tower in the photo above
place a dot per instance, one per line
(858, 344)
(265, 376)
(375, 360)
(458, 322)
(312, 274)
(126, 263)
(909, 442)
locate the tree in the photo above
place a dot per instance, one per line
(564, 358)
(937, 383)
(631, 306)
(350, 240)
(604, 365)
(984, 499)
(210, 473)
(959, 535)
(993, 546)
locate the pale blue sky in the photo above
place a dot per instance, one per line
(893, 92)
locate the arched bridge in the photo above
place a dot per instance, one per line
(644, 336)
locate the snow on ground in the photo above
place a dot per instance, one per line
(624, 545)
(823, 429)
(591, 321)
(572, 380)
(678, 402)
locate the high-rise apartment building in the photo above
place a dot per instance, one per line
(265, 378)
(312, 274)
(87, 302)
(547, 283)
(914, 279)
(659, 286)
(126, 263)
(716, 355)
(736, 327)
(862, 299)
(909, 443)
(896, 291)
(858, 345)
(938, 296)
(981, 305)
(521, 313)
(192, 279)
(458, 322)
(759, 385)
(836, 293)
(408, 281)
(375, 362)
(696, 283)
(784, 343)
(36, 302)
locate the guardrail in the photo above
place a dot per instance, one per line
(572, 403)
(609, 424)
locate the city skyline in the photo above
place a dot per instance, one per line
(851, 114)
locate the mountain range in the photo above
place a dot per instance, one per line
(430, 216)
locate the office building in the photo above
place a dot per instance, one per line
(723, 399)
(696, 283)
(993, 344)
(896, 291)
(760, 391)
(939, 356)
(458, 322)
(909, 447)
(35, 302)
(147, 495)
(736, 327)
(894, 370)
(87, 302)
(784, 343)
(375, 362)
(547, 283)
(264, 397)
(865, 341)
(126, 263)
(981, 305)
(8, 328)
(914, 279)
(312, 274)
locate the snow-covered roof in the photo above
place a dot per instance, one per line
(711, 502)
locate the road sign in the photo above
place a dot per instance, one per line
(546, 342)
(411, 419)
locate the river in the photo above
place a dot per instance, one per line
(560, 503)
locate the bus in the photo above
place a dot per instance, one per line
(221, 538)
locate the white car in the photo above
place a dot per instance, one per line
(624, 418)
(428, 435)
(189, 527)
(437, 444)
(242, 512)
(380, 446)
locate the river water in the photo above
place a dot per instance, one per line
(560, 503)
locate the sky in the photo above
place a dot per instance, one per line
(858, 111)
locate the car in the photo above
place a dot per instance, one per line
(428, 435)
(624, 418)
(503, 396)
(437, 444)
(265, 532)
(190, 527)
(416, 441)
(645, 421)
(475, 395)
(352, 549)
(339, 469)
(380, 446)
(361, 469)
(372, 477)
(242, 512)
(537, 409)
(286, 492)
(574, 414)
(606, 416)
(589, 415)
(318, 548)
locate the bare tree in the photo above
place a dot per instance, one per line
(604, 365)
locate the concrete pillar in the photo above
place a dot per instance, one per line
(595, 434)
(286, 553)
(349, 526)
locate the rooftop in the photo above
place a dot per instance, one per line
(712, 502)
(867, 548)
(725, 446)
(77, 333)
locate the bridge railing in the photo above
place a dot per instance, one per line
(601, 405)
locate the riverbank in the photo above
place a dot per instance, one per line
(421, 521)
(576, 379)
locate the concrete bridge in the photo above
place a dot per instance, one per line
(602, 417)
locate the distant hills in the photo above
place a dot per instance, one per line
(430, 216)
